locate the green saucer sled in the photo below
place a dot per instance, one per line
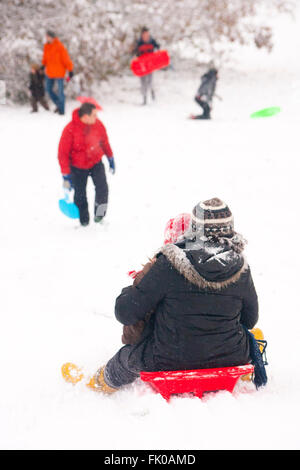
(267, 112)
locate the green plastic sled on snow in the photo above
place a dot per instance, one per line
(267, 112)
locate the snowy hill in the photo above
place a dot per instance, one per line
(59, 283)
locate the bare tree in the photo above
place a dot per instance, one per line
(100, 35)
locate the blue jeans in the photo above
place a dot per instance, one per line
(59, 98)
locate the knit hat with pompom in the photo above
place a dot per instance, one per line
(213, 218)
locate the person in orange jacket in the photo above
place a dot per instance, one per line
(56, 62)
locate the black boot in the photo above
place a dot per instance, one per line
(84, 217)
(205, 116)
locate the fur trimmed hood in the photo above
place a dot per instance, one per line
(209, 266)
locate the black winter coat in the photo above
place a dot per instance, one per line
(201, 298)
(36, 85)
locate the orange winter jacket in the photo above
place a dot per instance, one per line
(56, 59)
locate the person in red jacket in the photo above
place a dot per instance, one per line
(82, 145)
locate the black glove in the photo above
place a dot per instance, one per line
(71, 74)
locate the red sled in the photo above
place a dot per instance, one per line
(196, 382)
(148, 63)
(89, 99)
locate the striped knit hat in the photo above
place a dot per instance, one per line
(213, 218)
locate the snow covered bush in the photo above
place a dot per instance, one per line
(100, 35)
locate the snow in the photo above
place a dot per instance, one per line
(59, 283)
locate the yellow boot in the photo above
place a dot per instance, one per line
(98, 384)
(71, 373)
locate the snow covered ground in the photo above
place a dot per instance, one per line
(59, 283)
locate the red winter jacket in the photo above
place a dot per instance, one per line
(82, 145)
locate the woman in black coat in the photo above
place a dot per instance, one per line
(203, 296)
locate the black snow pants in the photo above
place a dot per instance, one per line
(206, 109)
(79, 180)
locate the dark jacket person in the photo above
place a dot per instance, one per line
(37, 88)
(206, 93)
(146, 45)
(202, 294)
